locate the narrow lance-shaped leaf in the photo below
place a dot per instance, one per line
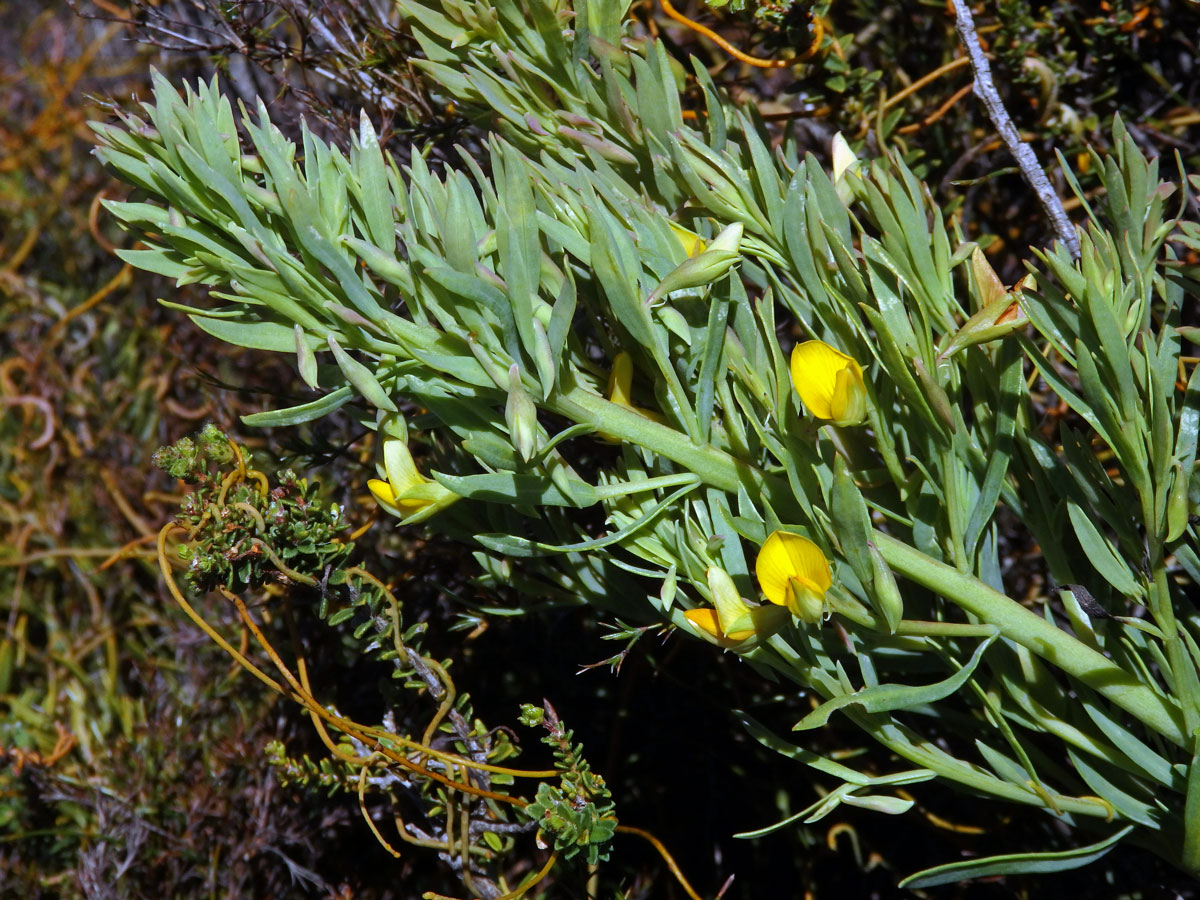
(372, 186)
(1100, 552)
(361, 377)
(306, 360)
(1014, 864)
(888, 697)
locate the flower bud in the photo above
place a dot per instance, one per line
(843, 157)
(845, 165)
(306, 360)
(361, 378)
(520, 415)
(886, 594)
(704, 268)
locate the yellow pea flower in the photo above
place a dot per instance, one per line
(843, 158)
(691, 242)
(407, 494)
(620, 386)
(793, 572)
(845, 166)
(733, 621)
(829, 382)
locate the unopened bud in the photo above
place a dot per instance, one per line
(844, 165)
(1177, 505)
(520, 414)
(704, 268)
(885, 592)
(843, 157)
(306, 360)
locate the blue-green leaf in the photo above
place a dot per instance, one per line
(1014, 864)
(306, 412)
(888, 697)
(1100, 552)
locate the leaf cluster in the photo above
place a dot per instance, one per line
(241, 534)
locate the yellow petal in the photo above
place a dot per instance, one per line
(843, 157)
(400, 505)
(737, 636)
(419, 496)
(620, 391)
(815, 368)
(691, 242)
(755, 621)
(399, 465)
(382, 491)
(786, 558)
(620, 379)
(706, 621)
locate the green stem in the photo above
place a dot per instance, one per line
(920, 628)
(1024, 627)
(1183, 672)
(1189, 853)
(1183, 669)
(714, 467)
(1016, 623)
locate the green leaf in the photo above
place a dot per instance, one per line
(887, 297)
(271, 336)
(880, 803)
(342, 615)
(711, 367)
(519, 243)
(1189, 422)
(888, 697)
(509, 487)
(306, 412)
(1010, 389)
(1126, 805)
(160, 261)
(361, 377)
(371, 186)
(512, 545)
(769, 739)
(1014, 864)
(1100, 552)
(851, 522)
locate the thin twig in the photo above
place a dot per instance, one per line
(985, 89)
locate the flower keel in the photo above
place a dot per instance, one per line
(829, 383)
(794, 573)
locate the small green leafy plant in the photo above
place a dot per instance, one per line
(578, 815)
